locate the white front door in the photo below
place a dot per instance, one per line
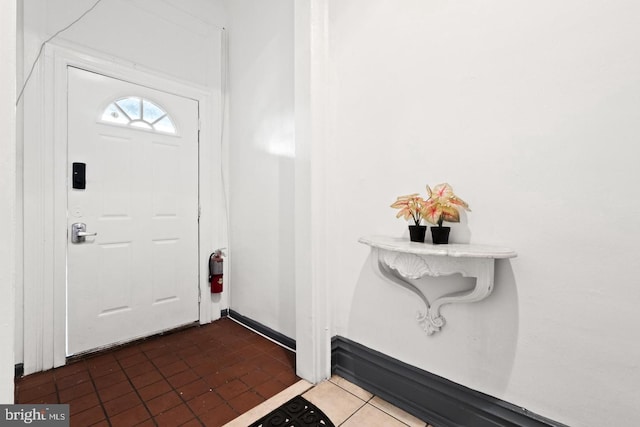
(139, 274)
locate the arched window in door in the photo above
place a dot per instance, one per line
(139, 113)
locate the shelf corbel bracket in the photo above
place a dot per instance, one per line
(400, 262)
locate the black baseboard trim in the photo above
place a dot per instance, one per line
(19, 370)
(224, 313)
(262, 329)
(431, 398)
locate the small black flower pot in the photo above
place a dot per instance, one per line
(417, 233)
(440, 235)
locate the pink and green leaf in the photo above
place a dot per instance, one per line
(443, 191)
(454, 200)
(450, 214)
(431, 212)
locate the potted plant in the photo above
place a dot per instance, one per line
(412, 206)
(441, 206)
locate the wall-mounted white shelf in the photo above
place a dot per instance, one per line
(400, 260)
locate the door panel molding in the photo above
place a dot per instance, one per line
(45, 230)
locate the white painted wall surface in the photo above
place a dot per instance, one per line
(531, 111)
(261, 161)
(176, 39)
(7, 197)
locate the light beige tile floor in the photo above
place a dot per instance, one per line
(344, 403)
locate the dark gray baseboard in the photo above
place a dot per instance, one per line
(264, 330)
(429, 397)
(19, 370)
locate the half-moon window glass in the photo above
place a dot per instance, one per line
(139, 113)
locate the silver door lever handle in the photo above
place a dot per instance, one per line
(79, 232)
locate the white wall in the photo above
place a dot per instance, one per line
(261, 161)
(7, 197)
(531, 111)
(175, 39)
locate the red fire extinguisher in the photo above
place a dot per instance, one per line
(216, 265)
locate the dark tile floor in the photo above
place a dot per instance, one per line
(201, 376)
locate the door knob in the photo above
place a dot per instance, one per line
(79, 232)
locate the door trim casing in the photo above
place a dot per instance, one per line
(45, 164)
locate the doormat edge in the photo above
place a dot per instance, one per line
(297, 411)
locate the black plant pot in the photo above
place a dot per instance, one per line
(417, 233)
(440, 235)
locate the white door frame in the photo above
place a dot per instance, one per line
(9, 238)
(45, 188)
